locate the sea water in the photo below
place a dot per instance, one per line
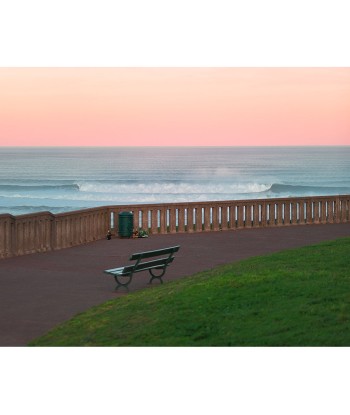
(61, 179)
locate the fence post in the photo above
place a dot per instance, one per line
(199, 219)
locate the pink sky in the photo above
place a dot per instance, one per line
(174, 106)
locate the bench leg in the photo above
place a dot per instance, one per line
(122, 281)
(157, 276)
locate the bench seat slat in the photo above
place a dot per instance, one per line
(157, 263)
(120, 271)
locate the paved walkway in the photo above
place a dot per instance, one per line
(39, 291)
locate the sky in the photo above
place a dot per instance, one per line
(174, 106)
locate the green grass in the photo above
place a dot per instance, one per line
(298, 297)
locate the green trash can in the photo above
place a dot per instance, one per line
(126, 224)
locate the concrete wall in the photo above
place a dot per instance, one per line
(233, 214)
(44, 231)
(26, 234)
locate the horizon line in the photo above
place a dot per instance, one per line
(173, 146)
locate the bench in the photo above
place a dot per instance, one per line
(156, 267)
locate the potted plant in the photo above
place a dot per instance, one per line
(142, 233)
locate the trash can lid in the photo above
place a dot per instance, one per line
(126, 214)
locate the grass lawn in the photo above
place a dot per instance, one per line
(299, 297)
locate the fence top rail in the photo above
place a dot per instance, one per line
(222, 202)
(184, 205)
(53, 215)
(26, 215)
(87, 211)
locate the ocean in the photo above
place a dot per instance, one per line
(61, 179)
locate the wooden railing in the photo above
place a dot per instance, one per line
(45, 231)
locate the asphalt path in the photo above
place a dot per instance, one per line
(39, 291)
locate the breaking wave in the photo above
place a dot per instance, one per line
(297, 190)
(126, 192)
(171, 187)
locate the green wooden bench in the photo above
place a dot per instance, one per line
(156, 267)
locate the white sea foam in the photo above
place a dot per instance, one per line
(171, 188)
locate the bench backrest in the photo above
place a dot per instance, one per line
(148, 254)
(167, 258)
